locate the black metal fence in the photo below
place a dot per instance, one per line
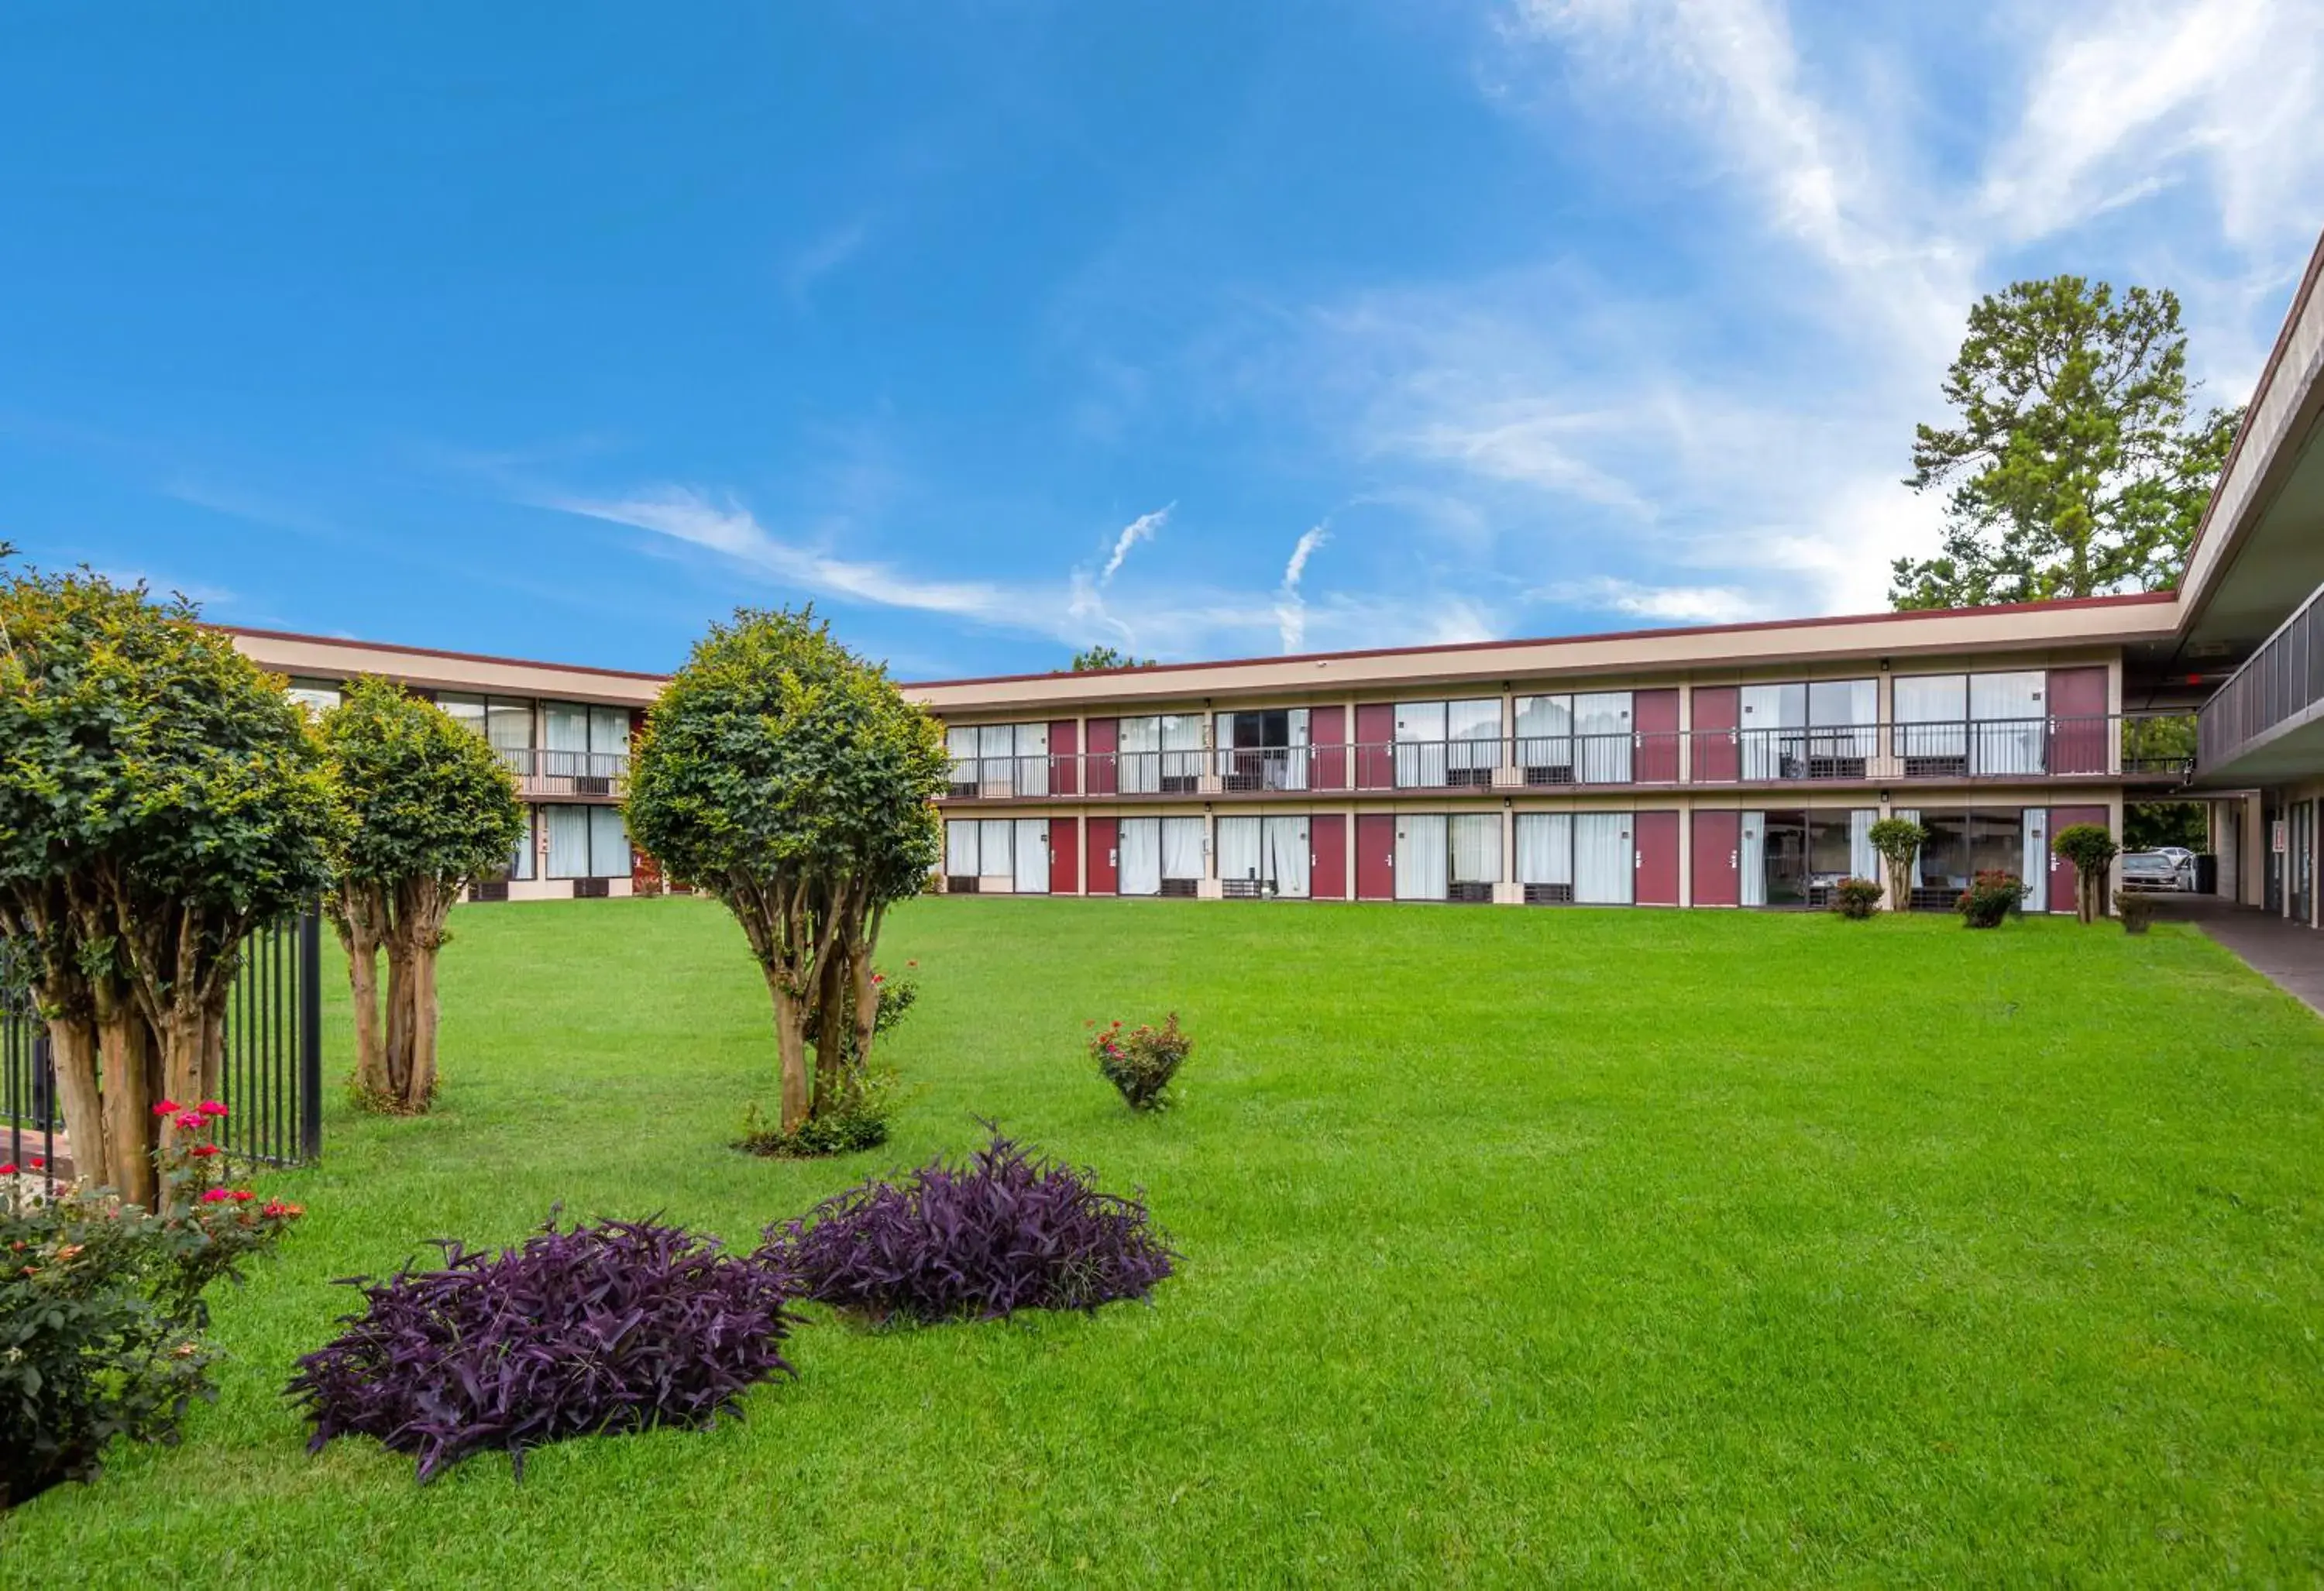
(272, 1082)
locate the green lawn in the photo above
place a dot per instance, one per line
(1613, 1247)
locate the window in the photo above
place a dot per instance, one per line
(316, 696)
(1961, 844)
(1440, 858)
(1263, 750)
(1575, 739)
(1951, 724)
(1013, 853)
(998, 759)
(1161, 755)
(1161, 856)
(1262, 857)
(1794, 858)
(1440, 743)
(587, 842)
(1819, 731)
(505, 723)
(519, 865)
(1575, 857)
(585, 743)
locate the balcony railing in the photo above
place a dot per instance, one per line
(2097, 747)
(580, 774)
(2282, 681)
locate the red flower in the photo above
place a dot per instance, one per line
(878, 977)
(166, 1107)
(215, 1195)
(7, 1168)
(242, 1196)
(188, 1122)
(280, 1210)
(203, 1151)
(210, 1107)
(39, 1164)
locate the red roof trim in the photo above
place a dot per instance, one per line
(337, 640)
(2126, 599)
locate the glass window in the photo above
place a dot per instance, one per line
(1476, 838)
(586, 842)
(1604, 863)
(1545, 854)
(1265, 750)
(960, 847)
(317, 696)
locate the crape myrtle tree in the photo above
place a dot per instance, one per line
(2092, 850)
(428, 808)
(160, 799)
(1898, 839)
(787, 776)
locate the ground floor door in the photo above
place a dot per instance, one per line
(1718, 844)
(1375, 856)
(1327, 863)
(2271, 826)
(2065, 894)
(1656, 838)
(1065, 854)
(2300, 864)
(1104, 856)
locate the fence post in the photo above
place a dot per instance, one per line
(310, 1036)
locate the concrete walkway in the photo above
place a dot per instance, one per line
(2287, 955)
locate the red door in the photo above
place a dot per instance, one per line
(1327, 728)
(1065, 768)
(1718, 715)
(1064, 854)
(1104, 738)
(1105, 854)
(1654, 724)
(1655, 835)
(1375, 856)
(1327, 859)
(2079, 725)
(2063, 874)
(1375, 752)
(1718, 849)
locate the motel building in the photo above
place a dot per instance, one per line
(1721, 766)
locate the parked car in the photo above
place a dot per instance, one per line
(2158, 870)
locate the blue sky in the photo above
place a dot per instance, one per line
(1207, 329)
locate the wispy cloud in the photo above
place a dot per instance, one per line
(1141, 528)
(819, 257)
(1666, 604)
(1290, 606)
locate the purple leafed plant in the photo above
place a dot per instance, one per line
(615, 1326)
(1007, 1231)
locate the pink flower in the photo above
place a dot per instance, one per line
(215, 1195)
(211, 1108)
(188, 1122)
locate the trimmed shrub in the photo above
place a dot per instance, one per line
(1991, 895)
(617, 1326)
(1898, 839)
(1140, 1064)
(1856, 898)
(1006, 1231)
(102, 1307)
(2091, 849)
(2137, 911)
(859, 1125)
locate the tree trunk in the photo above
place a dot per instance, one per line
(1900, 885)
(397, 1056)
(72, 1050)
(182, 1036)
(790, 1041)
(130, 1130)
(866, 993)
(831, 1035)
(358, 926)
(420, 1088)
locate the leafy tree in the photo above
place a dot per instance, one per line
(1092, 657)
(1898, 840)
(428, 809)
(790, 778)
(160, 798)
(2091, 849)
(2072, 467)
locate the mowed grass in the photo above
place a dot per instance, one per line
(1605, 1246)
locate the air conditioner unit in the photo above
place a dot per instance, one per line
(960, 883)
(1186, 889)
(1470, 894)
(592, 888)
(1549, 895)
(592, 784)
(488, 889)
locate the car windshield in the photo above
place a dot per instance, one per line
(2146, 864)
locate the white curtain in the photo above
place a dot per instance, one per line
(1240, 855)
(609, 739)
(1601, 721)
(996, 849)
(1752, 865)
(1931, 713)
(1546, 734)
(1295, 767)
(960, 847)
(1182, 748)
(996, 751)
(521, 859)
(1603, 863)
(609, 843)
(1545, 847)
(1032, 759)
(961, 744)
(1477, 848)
(1140, 756)
(1863, 861)
(508, 725)
(1850, 708)
(1420, 744)
(2011, 731)
(1769, 712)
(1474, 728)
(467, 712)
(569, 841)
(1141, 856)
(1182, 848)
(2033, 872)
(1032, 855)
(1285, 841)
(566, 740)
(1420, 858)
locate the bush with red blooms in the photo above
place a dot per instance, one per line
(101, 1306)
(1141, 1062)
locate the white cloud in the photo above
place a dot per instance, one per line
(1141, 528)
(820, 256)
(1290, 607)
(1671, 604)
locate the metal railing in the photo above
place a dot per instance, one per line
(567, 773)
(2278, 683)
(2092, 746)
(270, 1079)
